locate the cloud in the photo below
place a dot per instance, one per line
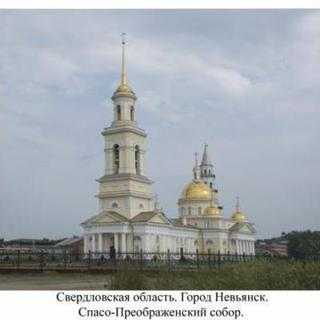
(246, 82)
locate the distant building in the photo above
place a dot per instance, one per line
(73, 245)
(272, 248)
(28, 245)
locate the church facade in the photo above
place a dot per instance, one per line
(128, 217)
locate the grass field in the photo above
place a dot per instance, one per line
(264, 275)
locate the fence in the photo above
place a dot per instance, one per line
(113, 261)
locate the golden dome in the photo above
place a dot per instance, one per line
(239, 216)
(196, 190)
(124, 90)
(212, 211)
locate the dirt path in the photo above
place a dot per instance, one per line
(54, 281)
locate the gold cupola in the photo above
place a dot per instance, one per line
(238, 215)
(213, 212)
(123, 89)
(196, 190)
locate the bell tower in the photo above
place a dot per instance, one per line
(124, 188)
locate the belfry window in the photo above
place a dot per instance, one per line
(118, 112)
(137, 159)
(116, 158)
(132, 113)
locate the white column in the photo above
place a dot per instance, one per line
(144, 243)
(85, 243)
(123, 242)
(100, 248)
(238, 246)
(252, 247)
(93, 243)
(116, 242)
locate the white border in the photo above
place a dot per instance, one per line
(159, 4)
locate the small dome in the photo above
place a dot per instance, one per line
(212, 211)
(196, 190)
(239, 216)
(124, 90)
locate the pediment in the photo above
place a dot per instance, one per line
(151, 217)
(243, 228)
(159, 218)
(105, 217)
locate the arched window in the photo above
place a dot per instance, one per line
(114, 205)
(118, 112)
(189, 210)
(132, 113)
(211, 185)
(199, 210)
(116, 158)
(137, 159)
(205, 172)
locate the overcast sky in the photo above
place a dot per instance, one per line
(245, 82)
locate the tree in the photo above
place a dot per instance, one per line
(302, 245)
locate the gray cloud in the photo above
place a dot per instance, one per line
(246, 82)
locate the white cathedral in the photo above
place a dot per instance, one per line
(129, 218)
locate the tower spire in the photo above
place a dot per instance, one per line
(237, 204)
(123, 60)
(196, 167)
(123, 89)
(205, 157)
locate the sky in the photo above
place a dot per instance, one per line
(245, 82)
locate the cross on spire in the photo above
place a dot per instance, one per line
(195, 168)
(238, 204)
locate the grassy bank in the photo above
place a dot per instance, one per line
(264, 275)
